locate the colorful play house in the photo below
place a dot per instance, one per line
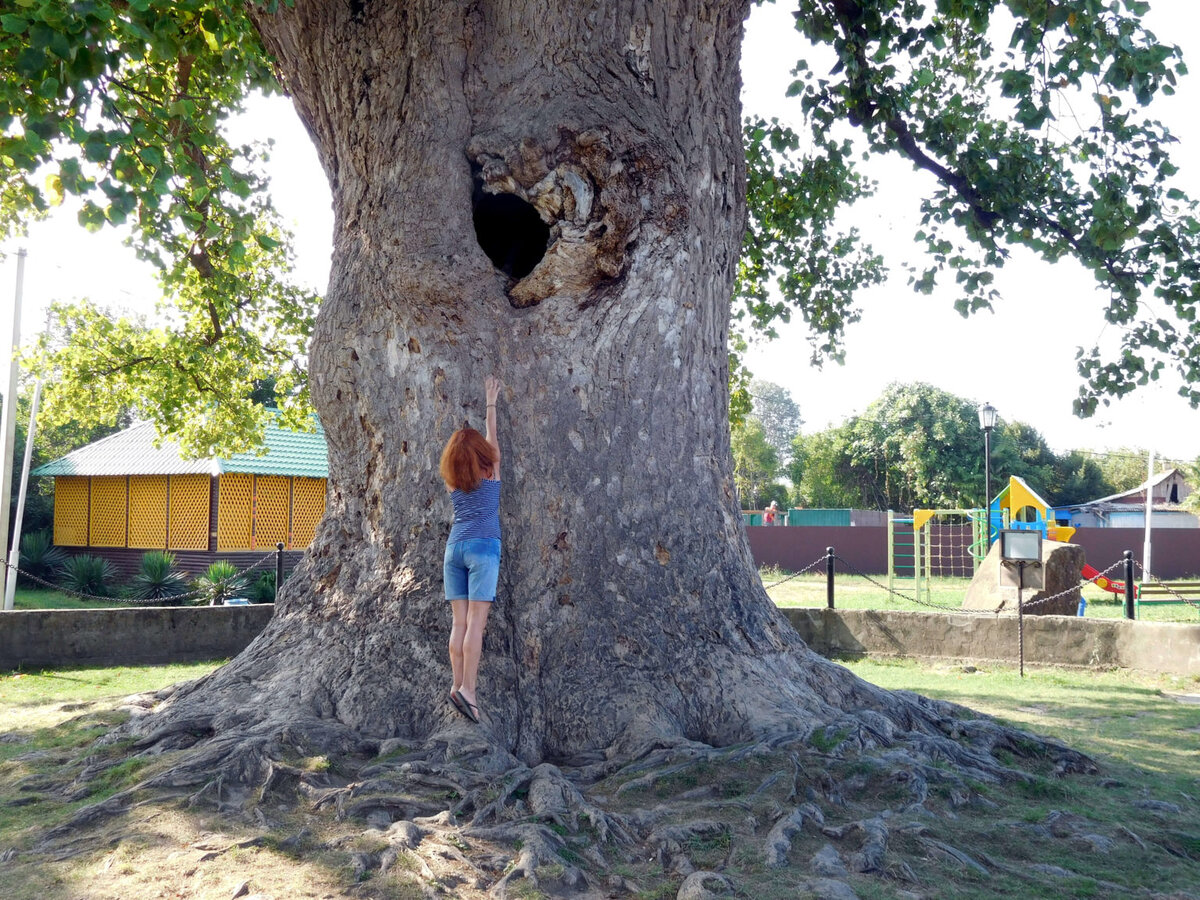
(122, 495)
(1020, 507)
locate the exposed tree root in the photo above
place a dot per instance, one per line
(824, 800)
(779, 840)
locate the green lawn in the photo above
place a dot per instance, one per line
(859, 592)
(1139, 719)
(34, 699)
(44, 598)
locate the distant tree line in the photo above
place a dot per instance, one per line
(915, 446)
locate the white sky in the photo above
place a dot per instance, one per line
(1021, 358)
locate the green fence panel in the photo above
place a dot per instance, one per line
(818, 517)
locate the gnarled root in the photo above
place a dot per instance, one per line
(819, 796)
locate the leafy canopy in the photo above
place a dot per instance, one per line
(117, 105)
(777, 412)
(917, 446)
(1040, 142)
(755, 462)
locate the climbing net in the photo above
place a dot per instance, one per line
(934, 543)
(948, 540)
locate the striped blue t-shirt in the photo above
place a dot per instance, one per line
(476, 513)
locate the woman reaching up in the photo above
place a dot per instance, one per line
(471, 568)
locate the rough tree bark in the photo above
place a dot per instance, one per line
(630, 616)
(630, 610)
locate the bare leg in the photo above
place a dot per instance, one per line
(458, 631)
(472, 646)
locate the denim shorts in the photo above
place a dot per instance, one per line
(471, 569)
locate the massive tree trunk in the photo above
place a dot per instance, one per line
(551, 192)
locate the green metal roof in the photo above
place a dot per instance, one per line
(132, 452)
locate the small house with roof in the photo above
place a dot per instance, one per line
(1128, 509)
(122, 495)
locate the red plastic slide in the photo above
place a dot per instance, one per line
(1092, 575)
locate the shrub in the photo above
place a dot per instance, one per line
(40, 558)
(263, 590)
(158, 579)
(87, 575)
(221, 581)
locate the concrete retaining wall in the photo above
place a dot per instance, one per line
(32, 638)
(140, 635)
(1049, 640)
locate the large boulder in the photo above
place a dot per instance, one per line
(1062, 565)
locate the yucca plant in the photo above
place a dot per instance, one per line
(158, 579)
(40, 558)
(221, 581)
(87, 575)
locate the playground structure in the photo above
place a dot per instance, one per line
(935, 543)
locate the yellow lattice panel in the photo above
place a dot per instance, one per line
(272, 508)
(70, 511)
(106, 521)
(308, 506)
(148, 512)
(235, 509)
(190, 498)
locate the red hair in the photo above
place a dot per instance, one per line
(467, 459)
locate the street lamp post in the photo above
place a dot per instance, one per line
(987, 421)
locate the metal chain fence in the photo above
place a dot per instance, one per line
(176, 599)
(812, 565)
(1148, 577)
(849, 568)
(1018, 612)
(910, 598)
(1082, 581)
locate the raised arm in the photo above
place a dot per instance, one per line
(491, 386)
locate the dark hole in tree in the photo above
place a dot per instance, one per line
(510, 231)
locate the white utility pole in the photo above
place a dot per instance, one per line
(8, 421)
(14, 555)
(1149, 512)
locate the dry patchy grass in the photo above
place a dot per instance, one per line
(1133, 829)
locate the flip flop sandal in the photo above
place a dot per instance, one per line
(465, 706)
(454, 701)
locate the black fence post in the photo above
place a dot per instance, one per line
(829, 576)
(1129, 609)
(278, 568)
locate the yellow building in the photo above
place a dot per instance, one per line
(122, 495)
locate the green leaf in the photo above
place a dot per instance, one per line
(54, 188)
(152, 157)
(30, 62)
(91, 216)
(14, 24)
(96, 147)
(60, 46)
